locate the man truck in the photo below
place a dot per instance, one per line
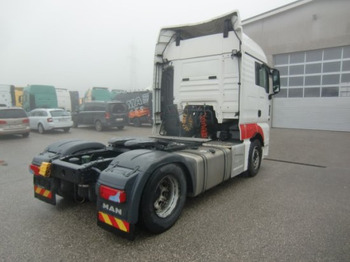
(139, 105)
(212, 94)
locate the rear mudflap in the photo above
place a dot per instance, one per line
(116, 225)
(44, 189)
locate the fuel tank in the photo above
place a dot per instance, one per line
(210, 166)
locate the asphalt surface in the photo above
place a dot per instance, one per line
(296, 209)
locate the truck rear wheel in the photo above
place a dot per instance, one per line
(255, 156)
(163, 198)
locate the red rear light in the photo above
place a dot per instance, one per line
(3, 122)
(107, 115)
(112, 194)
(25, 121)
(34, 169)
(50, 120)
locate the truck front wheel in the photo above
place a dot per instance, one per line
(255, 156)
(163, 198)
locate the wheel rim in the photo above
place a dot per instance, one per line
(41, 129)
(255, 158)
(167, 193)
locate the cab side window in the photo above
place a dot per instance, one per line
(262, 76)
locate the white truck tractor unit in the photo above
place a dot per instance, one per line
(212, 96)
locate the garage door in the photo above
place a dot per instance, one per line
(315, 91)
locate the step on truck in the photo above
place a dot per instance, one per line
(212, 96)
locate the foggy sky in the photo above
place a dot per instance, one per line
(80, 44)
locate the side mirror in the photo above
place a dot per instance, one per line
(276, 82)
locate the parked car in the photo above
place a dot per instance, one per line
(44, 119)
(102, 115)
(14, 120)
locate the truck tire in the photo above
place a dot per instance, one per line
(98, 126)
(255, 156)
(163, 198)
(41, 129)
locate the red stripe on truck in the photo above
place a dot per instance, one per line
(250, 130)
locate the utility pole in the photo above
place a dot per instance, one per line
(133, 67)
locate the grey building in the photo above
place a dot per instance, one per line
(309, 42)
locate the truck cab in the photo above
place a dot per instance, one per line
(212, 69)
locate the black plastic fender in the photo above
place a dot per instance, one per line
(64, 148)
(71, 146)
(129, 172)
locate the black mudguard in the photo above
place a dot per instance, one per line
(63, 148)
(45, 188)
(130, 172)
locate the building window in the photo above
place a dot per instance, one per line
(296, 70)
(315, 73)
(330, 91)
(313, 68)
(295, 92)
(345, 78)
(332, 53)
(282, 93)
(297, 58)
(346, 66)
(314, 55)
(296, 81)
(331, 67)
(282, 59)
(330, 79)
(312, 92)
(312, 80)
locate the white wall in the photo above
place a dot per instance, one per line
(312, 113)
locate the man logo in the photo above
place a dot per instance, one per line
(112, 209)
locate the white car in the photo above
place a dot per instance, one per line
(44, 119)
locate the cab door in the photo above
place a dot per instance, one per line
(254, 92)
(263, 85)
